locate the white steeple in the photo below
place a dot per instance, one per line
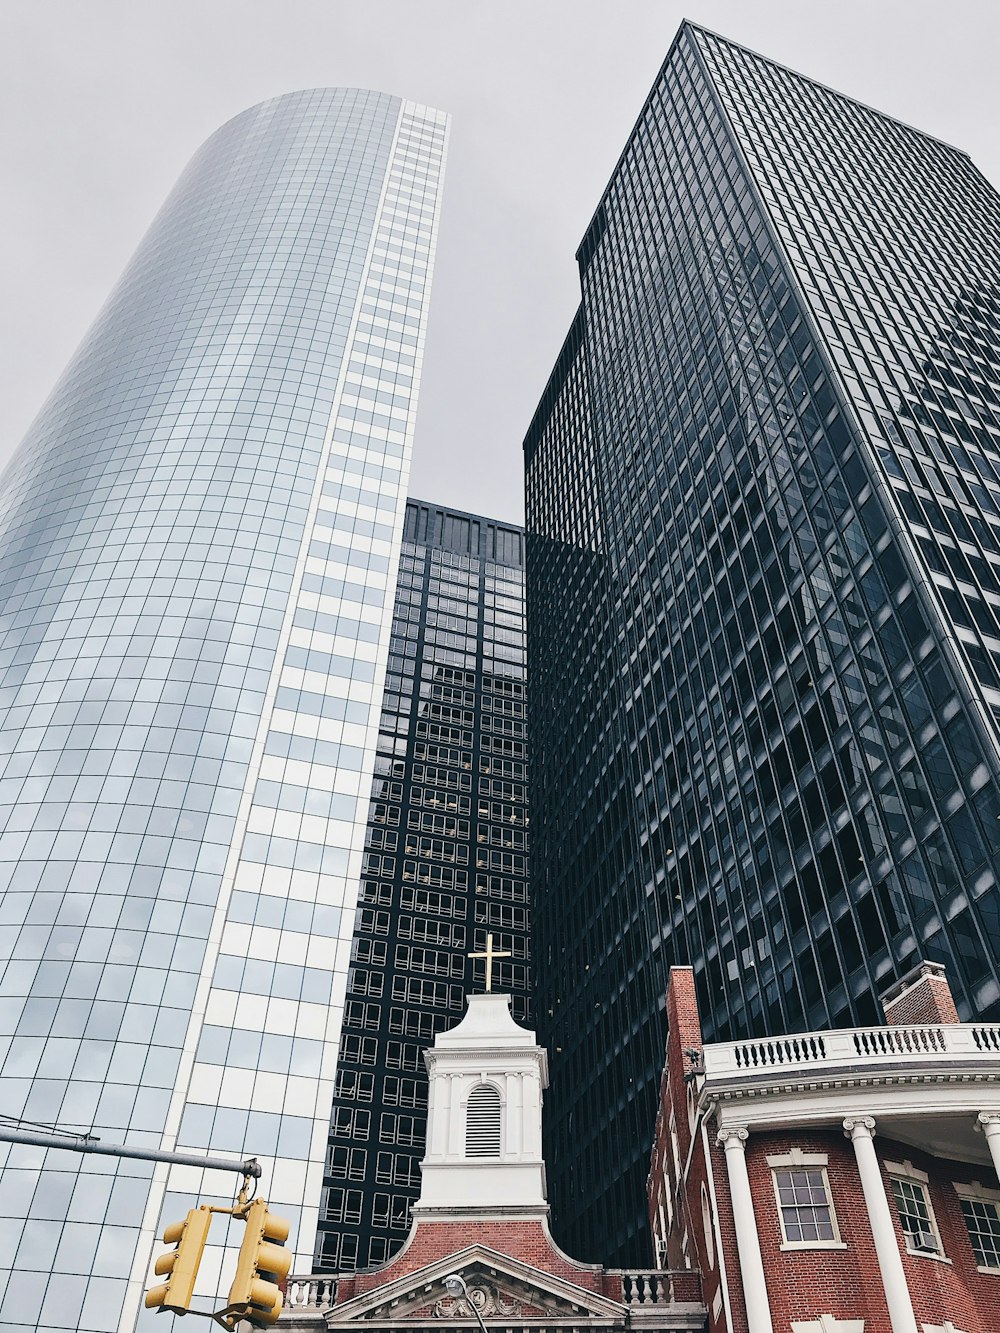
(484, 1117)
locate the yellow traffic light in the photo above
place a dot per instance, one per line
(263, 1263)
(180, 1266)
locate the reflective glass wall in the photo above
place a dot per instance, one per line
(446, 862)
(789, 369)
(198, 549)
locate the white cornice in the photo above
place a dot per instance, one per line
(776, 1106)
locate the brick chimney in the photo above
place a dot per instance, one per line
(922, 996)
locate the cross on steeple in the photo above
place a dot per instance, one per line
(489, 955)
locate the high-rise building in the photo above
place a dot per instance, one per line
(446, 864)
(763, 591)
(198, 547)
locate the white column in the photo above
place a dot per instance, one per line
(456, 1126)
(861, 1131)
(531, 1116)
(758, 1306)
(515, 1122)
(990, 1124)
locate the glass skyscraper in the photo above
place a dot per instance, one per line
(446, 862)
(763, 591)
(199, 541)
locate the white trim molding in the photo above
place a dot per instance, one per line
(976, 1193)
(799, 1161)
(828, 1323)
(906, 1170)
(973, 1190)
(796, 1157)
(907, 1173)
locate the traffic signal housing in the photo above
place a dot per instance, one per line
(262, 1264)
(180, 1266)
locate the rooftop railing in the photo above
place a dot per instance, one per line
(646, 1287)
(866, 1047)
(310, 1293)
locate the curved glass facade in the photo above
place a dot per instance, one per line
(198, 546)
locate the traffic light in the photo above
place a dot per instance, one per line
(180, 1266)
(262, 1264)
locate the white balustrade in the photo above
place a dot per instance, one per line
(650, 1286)
(854, 1047)
(310, 1293)
(644, 1287)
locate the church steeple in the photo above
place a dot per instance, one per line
(484, 1117)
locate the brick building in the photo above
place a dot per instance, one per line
(482, 1216)
(834, 1182)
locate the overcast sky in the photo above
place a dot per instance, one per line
(103, 102)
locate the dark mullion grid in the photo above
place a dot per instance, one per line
(445, 695)
(821, 571)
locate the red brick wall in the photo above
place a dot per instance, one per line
(928, 1001)
(802, 1284)
(677, 1100)
(724, 1212)
(524, 1240)
(955, 1291)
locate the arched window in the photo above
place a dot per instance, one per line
(482, 1122)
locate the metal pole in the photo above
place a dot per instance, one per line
(455, 1286)
(8, 1134)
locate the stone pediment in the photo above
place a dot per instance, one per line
(501, 1287)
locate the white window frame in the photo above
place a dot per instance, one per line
(796, 1160)
(977, 1193)
(909, 1174)
(827, 1323)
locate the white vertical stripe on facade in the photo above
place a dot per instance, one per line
(293, 1184)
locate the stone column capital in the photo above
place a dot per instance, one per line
(733, 1137)
(859, 1127)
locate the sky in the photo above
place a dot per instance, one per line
(102, 102)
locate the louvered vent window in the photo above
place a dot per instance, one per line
(482, 1122)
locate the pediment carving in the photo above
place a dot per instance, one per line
(499, 1286)
(492, 1300)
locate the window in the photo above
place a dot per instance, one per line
(343, 1205)
(805, 1205)
(358, 1050)
(348, 1123)
(353, 1085)
(915, 1214)
(981, 1210)
(391, 1211)
(346, 1163)
(404, 1091)
(483, 1122)
(405, 1130)
(338, 1252)
(378, 1250)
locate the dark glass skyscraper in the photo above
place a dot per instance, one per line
(446, 862)
(763, 573)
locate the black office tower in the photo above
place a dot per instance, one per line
(445, 864)
(763, 573)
